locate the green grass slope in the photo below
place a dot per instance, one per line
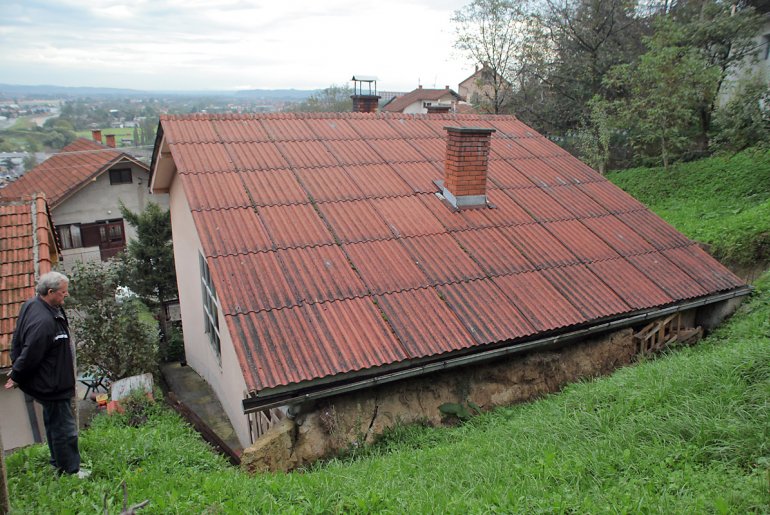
(688, 432)
(722, 201)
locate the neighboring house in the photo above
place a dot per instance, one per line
(27, 250)
(84, 184)
(479, 90)
(419, 100)
(325, 251)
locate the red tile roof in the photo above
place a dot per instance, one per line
(27, 248)
(331, 252)
(398, 104)
(66, 172)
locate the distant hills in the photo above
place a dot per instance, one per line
(9, 91)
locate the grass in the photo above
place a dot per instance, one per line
(723, 201)
(118, 132)
(688, 432)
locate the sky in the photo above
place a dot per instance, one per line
(230, 44)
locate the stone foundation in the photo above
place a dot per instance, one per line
(330, 426)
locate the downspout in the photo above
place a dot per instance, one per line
(253, 404)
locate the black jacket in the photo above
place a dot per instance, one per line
(43, 365)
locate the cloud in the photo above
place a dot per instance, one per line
(194, 44)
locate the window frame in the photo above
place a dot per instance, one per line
(118, 176)
(210, 308)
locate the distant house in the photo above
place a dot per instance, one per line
(420, 100)
(334, 251)
(84, 184)
(27, 250)
(479, 90)
(757, 67)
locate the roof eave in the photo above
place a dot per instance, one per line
(163, 167)
(326, 387)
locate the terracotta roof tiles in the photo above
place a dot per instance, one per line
(332, 253)
(65, 172)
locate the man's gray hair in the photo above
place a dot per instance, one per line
(50, 281)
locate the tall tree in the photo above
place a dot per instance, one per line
(151, 271)
(493, 33)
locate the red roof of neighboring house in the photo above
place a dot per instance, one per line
(26, 249)
(331, 252)
(67, 171)
(398, 104)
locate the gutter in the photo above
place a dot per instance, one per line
(253, 404)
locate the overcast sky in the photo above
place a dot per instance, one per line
(229, 44)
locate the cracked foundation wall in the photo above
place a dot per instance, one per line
(332, 425)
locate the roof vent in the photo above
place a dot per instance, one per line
(465, 166)
(365, 102)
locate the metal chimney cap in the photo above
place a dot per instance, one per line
(364, 78)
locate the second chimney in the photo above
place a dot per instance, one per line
(96, 134)
(110, 140)
(465, 166)
(365, 103)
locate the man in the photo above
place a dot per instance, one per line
(43, 367)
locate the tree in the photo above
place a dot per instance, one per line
(661, 95)
(723, 35)
(492, 33)
(744, 121)
(150, 264)
(334, 99)
(115, 337)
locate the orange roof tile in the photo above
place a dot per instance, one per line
(27, 249)
(66, 172)
(331, 252)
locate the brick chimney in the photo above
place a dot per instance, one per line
(96, 134)
(110, 140)
(465, 167)
(365, 103)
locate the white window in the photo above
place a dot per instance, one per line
(210, 311)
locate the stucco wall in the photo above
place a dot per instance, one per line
(225, 377)
(416, 107)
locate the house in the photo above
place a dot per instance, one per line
(328, 252)
(84, 184)
(27, 250)
(479, 90)
(420, 99)
(756, 66)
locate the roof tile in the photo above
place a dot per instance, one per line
(442, 259)
(294, 226)
(485, 311)
(231, 231)
(609, 196)
(378, 180)
(353, 152)
(618, 235)
(407, 216)
(385, 266)
(256, 156)
(504, 174)
(240, 130)
(581, 241)
(202, 158)
(424, 323)
(329, 184)
(575, 201)
(303, 343)
(215, 190)
(274, 187)
(241, 292)
(653, 229)
(321, 273)
(630, 284)
(669, 277)
(541, 248)
(493, 251)
(396, 151)
(306, 154)
(542, 304)
(419, 176)
(354, 221)
(694, 261)
(539, 204)
(586, 291)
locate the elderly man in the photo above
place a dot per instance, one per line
(43, 368)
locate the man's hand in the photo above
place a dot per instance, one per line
(10, 384)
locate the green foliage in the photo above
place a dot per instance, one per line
(745, 120)
(722, 201)
(688, 432)
(152, 274)
(116, 338)
(663, 92)
(594, 135)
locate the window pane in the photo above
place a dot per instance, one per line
(75, 234)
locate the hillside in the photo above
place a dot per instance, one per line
(687, 432)
(721, 201)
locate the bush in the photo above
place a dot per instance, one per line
(745, 120)
(116, 338)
